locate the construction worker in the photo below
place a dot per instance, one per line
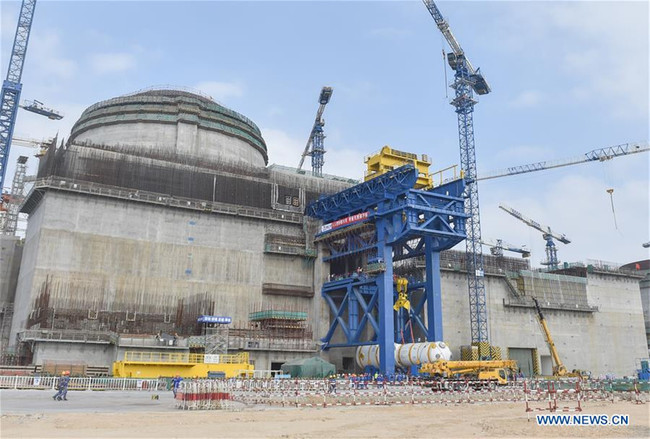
(62, 386)
(176, 382)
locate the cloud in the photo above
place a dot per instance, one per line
(116, 62)
(344, 162)
(575, 202)
(221, 90)
(46, 57)
(527, 99)
(284, 149)
(601, 48)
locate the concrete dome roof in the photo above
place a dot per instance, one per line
(175, 121)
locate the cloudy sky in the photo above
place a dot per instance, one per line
(566, 77)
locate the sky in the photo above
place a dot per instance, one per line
(566, 77)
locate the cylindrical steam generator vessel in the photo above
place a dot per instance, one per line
(409, 354)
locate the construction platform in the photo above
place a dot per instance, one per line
(158, 364)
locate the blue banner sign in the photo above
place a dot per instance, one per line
(215, 319)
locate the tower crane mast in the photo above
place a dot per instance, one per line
(316, 137)
(11, 87)
(547, 233)
(468, 80)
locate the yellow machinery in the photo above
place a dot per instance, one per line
(402, 296)
(495, 370)
(162, 364)
(388, 159)
(559, 370)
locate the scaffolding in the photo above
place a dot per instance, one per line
(11, 202)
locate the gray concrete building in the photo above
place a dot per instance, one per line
(642, 268)
(160, 208)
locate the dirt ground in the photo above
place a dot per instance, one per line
(134, 418)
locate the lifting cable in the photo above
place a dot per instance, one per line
(610, 191)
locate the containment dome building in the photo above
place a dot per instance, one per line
(172, 123)
(158, 209)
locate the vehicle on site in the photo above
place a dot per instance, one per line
(479, 373)
(559, 370)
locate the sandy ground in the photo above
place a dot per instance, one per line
(33, 414)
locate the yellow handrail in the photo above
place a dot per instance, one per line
(164, 357)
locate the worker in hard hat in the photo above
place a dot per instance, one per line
(62, 386)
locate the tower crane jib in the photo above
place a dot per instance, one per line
(548, 235)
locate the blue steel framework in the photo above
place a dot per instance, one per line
(402, 223)
(11, 86)
(467, 80)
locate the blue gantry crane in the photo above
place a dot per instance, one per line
(11, 86)
(365, 229)
(315, 144)
(468, 81)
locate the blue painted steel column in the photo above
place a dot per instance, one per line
(433, 291)
(386, 334)
(353, 311)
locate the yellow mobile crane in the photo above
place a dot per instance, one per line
(496, 371)
(559, 370)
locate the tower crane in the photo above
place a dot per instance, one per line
(317, 136)
(601, 155)
(12, 86)
(468, 80)
(498, 246)
(42, 145)
(38, 108)
(547, 233)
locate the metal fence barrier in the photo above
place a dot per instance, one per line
(83, 383)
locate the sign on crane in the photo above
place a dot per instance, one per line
(547, 234)
(315, 147)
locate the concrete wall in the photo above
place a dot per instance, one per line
(181, 138)
(71, 353)
(607, 341)
(100, 254)
(11, 251)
